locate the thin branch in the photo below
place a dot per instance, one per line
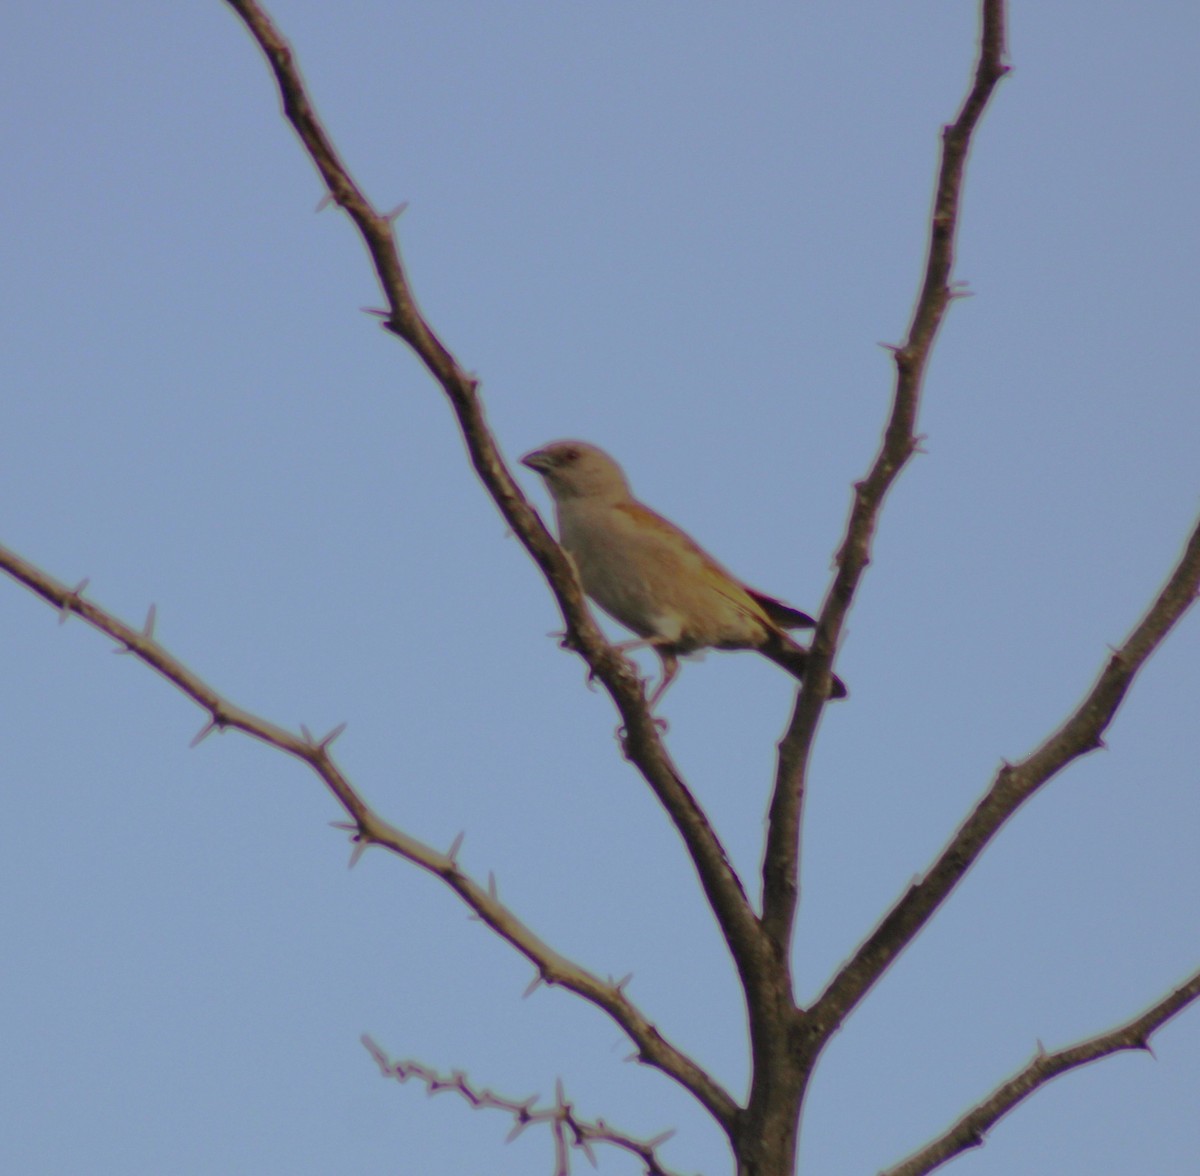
(643, 745)
(570, 1131)
(781, 862)
(1014, 784)
(370, 829)
(970, 1130)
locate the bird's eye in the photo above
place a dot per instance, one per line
(570, 454)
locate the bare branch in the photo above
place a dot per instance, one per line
(781, 861)
(370, 829)
(643, 744)
(1014, 784)
(569, 1130)
(970, 1130)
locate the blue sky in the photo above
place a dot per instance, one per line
(679, 231)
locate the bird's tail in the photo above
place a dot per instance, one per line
(783, 651)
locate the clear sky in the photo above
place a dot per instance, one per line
(679, 231)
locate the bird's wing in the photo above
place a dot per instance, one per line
(678, 544)
(674, 545)
(781, 614)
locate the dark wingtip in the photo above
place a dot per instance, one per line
(781, 614)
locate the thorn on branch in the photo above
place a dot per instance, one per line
(566, 1128)
(148, 627)
(395, 214)
(359, 835)
(324, 744)
(584, 1144)
(533, 986)
(72, 601)
(218, 722)
(562, 1159)
(325, 201)
(455, 846)
(204, 733)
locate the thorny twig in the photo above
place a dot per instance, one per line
(368, 828)
(643, 743)
(970, 1130)
(568, 1129)
(781, 862)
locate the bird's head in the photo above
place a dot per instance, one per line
(575, 469)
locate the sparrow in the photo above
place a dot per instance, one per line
(653, 578)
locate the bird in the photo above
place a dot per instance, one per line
(652, 577)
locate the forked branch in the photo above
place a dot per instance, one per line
(370, 829)
(570, 1131)
(1014, 784)
(721, 884)
(781, 862)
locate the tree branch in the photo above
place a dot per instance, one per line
(643, 746)
(370, 829)
(970, 1130)
(781, 862)
(1013, 785)
(570, 1131)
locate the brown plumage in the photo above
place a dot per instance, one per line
(652, 577)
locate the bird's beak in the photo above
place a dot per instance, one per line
(537, 460)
